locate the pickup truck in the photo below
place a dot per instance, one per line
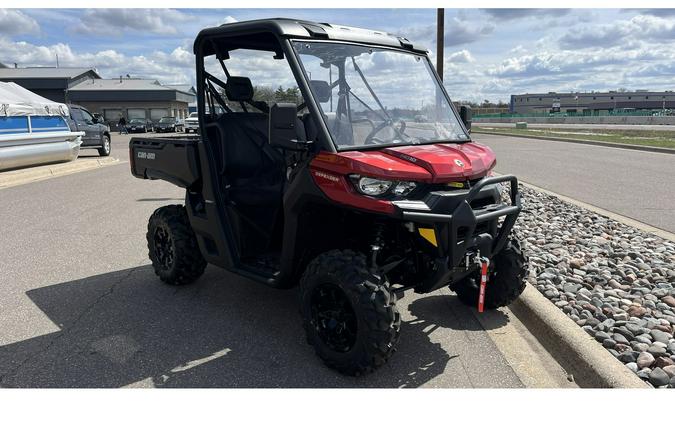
(192, 123)
(96, 133)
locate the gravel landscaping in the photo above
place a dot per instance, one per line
(615, 281)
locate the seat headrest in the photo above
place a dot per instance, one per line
(239, 88)
(321, 90)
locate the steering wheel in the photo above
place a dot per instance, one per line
(372, 140)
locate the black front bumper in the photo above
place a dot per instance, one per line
(463, 227)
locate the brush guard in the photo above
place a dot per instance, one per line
(454, 222)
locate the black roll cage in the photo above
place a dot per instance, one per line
(277, 36)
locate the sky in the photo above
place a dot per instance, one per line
(489, 53)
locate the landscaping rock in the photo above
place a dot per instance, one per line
(628, 356)
(632, 366)
(615, 281)
(670, 370)
(645, 360)
(659, 335)
(659, 377)
(657, 351)
(663, 361)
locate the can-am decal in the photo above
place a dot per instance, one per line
(146, 155)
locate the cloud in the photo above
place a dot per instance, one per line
(462, 56)
(114, 21)
(574, 63)
(176, 66)
(15, 22)
(654, 12)
(640, 27)
(457, 32)
(653, 70)
(506, 14)
(601, 36)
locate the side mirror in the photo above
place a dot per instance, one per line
(97, 118)
(283, 132)
(465, 114)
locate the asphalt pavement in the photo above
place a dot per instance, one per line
(81, 307)
(635, 184)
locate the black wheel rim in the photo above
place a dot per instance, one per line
(333, 317)
(164, 248)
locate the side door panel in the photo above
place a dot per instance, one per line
(85, 122)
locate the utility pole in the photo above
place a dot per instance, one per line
(440, 31)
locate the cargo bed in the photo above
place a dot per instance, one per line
(174, 159)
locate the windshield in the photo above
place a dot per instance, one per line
(375, 96)
(137, 122)
(166, 120)
(194, 115)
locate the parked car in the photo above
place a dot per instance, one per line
(96, 133)
(169, 124)
(139, 125)
(192, 123)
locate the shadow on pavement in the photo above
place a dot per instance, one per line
(127, 328)
(439, 311)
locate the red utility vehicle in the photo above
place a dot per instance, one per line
(369, 186)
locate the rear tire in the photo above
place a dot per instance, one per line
(104, 151)
(349, 314)
(173, 247)
(505, 283)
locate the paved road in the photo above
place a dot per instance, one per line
(81, 307)
(665, 128)
(636, 184)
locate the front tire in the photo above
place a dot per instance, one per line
(349, 314)
(506, 279)
(172, 246)
(105, 149)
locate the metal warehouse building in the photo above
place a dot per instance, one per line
(132, 98)
(49, 82)
(594, 103)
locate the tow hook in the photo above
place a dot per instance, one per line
(484, 264)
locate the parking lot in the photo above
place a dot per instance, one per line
(80, 306)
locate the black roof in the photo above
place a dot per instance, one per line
(259, 34)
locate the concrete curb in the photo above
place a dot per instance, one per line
(34, 174)
(580, 355)
(583, 141)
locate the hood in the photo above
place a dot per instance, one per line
(448, 162)
(434, 163)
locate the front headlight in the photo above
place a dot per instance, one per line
(378, 187)
(404, 188)
(373, 187)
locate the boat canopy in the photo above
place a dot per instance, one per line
(16, 100)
